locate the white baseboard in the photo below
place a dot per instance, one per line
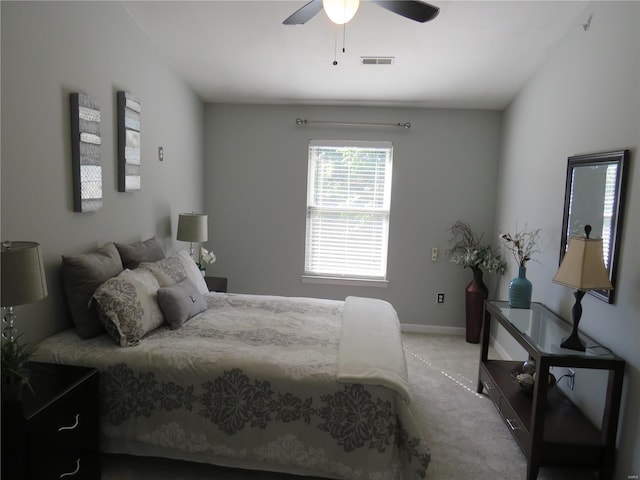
(499, 349)
(415, 328)
(439, 330)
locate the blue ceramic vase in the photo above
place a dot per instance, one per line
(520, 290)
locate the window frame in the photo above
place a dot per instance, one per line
(349, 278)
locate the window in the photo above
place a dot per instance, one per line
(348, 201)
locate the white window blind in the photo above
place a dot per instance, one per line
(609, 202)
(348, 202)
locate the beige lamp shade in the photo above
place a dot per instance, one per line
(192, 227)
(582, 267)
(23, 279)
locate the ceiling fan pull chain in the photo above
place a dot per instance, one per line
(344, 37)
(335, 49)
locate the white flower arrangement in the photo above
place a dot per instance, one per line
(206, 258)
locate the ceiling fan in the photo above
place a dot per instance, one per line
(412, 9)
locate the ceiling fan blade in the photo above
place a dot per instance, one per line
(413, 9)
(305, 13)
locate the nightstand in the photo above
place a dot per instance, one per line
(53, 433)
(216, 284)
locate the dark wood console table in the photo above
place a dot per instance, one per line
(549, 428)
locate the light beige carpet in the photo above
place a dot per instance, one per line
(467, 437)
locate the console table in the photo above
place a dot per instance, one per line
(549, 428)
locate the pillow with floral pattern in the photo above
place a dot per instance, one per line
(128, 306)
(175, 268)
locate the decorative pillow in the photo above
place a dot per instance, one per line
(171, 270)
(132, 254)
(81, 275)
(128, 306)
(180, 302)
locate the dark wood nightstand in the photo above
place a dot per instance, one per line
(216, 284)
(53, 433)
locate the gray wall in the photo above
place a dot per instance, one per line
(256, 172)
(49, 50)
(585, 99)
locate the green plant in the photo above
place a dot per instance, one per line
(14, 362)
(469, 251)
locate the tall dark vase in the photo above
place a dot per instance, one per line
(476, 293)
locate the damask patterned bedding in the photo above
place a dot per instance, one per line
(251, 382)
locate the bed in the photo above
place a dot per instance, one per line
(260, 382)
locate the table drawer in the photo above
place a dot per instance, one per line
(68, 466)
(71, 423)
(490, 388)
(515, 426)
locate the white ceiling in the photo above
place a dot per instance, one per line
(475, 54)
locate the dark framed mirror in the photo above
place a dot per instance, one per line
(594, 195)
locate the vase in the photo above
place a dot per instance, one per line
(475, 295)
(520, 290)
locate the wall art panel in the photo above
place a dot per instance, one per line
(85, 153)
(128, 143)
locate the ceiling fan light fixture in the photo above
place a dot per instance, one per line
(340, 11)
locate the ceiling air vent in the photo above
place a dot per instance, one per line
(377, 60)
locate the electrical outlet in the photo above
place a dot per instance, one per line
(441, 298)
(571, 379)
(434, 254)
(160, 154)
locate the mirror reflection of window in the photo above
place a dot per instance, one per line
(609, 201)
(592, 201)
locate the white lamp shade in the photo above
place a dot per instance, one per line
(583, 267)
(192, 227)
(23, 279)
(340, 11)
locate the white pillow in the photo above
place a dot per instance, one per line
(128, 306)
(175, 268)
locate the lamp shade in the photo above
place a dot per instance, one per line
(583, 267)
(23, 279)
(192, 227)
(340, 11)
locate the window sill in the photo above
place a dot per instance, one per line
(351, 282)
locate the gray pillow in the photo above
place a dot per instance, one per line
(132, 254)
(180, 302)
(81, 276)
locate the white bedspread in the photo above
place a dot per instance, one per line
(370, 349)
(252, 383)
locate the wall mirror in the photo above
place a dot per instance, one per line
(594, 195)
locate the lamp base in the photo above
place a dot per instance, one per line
(9, 331)
(573, 342)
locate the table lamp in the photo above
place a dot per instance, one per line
(192, 227)
(23, 280)
(582, 268)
